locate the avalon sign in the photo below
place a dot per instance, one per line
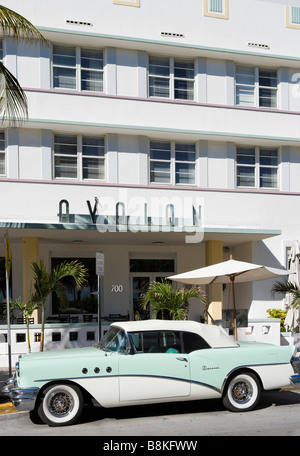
(140, 214)
(158, 214)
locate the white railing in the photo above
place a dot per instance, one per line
(57, 336)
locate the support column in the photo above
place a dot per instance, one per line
(30, 249)
(214, 292)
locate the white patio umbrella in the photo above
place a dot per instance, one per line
(292, 319)
(230, 271)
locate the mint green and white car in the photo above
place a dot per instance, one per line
(151, 361)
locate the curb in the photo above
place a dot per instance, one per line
(7, 407)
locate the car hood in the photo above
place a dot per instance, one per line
(84, 352)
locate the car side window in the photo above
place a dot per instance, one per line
(157, 341)
(192, 342)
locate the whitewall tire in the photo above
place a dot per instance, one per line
(60, 405)
(242, 393)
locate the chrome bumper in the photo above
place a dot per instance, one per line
(295, 380)
(23, 398)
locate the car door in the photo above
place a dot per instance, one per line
(158, 374)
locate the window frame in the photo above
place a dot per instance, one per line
(257, 86)
(80, 156)
(207, 10)
(78, 68)
(127, 2)
(171, 77)
(173, 162)
(257, 167)
(289, 17)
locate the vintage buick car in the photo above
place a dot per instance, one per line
(151, 361)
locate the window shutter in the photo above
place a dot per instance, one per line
(295, 16)
(216, 6)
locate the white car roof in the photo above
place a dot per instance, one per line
(214, 335)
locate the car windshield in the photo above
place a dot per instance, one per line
(114, 340)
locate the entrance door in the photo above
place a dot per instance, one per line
(142, 273)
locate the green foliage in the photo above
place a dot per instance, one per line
(13, 100)
(27, 308)
(46, 283)
(288, 287)
(278, 313)
(163, 300)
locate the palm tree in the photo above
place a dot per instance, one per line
(46, 283)
(13, 101)
(27, 308)
(162, 298)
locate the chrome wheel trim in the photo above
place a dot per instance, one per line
(243, 391)
(60, 404)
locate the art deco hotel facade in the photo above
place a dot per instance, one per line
(162, 133)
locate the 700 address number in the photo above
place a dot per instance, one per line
(117, 288)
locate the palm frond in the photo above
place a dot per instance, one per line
(13, 100)
(288, 287)
(14, 24)
(285, 286)
(73, 269)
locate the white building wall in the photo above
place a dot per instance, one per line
(129, 120)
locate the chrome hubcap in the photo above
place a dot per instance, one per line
(241, 392)
(61, 404)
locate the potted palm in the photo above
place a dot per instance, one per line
(164, 300)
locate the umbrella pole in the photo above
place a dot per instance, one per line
(234, 310)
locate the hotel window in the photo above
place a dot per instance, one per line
(2, 154)
(79, 157)
(216, 8)
(171, 78)
(77, 69)
(84, 300)
(172, 163)
(257, 167)
(256, 87)
(293, 16)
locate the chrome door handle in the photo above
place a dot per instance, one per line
(182, 359)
